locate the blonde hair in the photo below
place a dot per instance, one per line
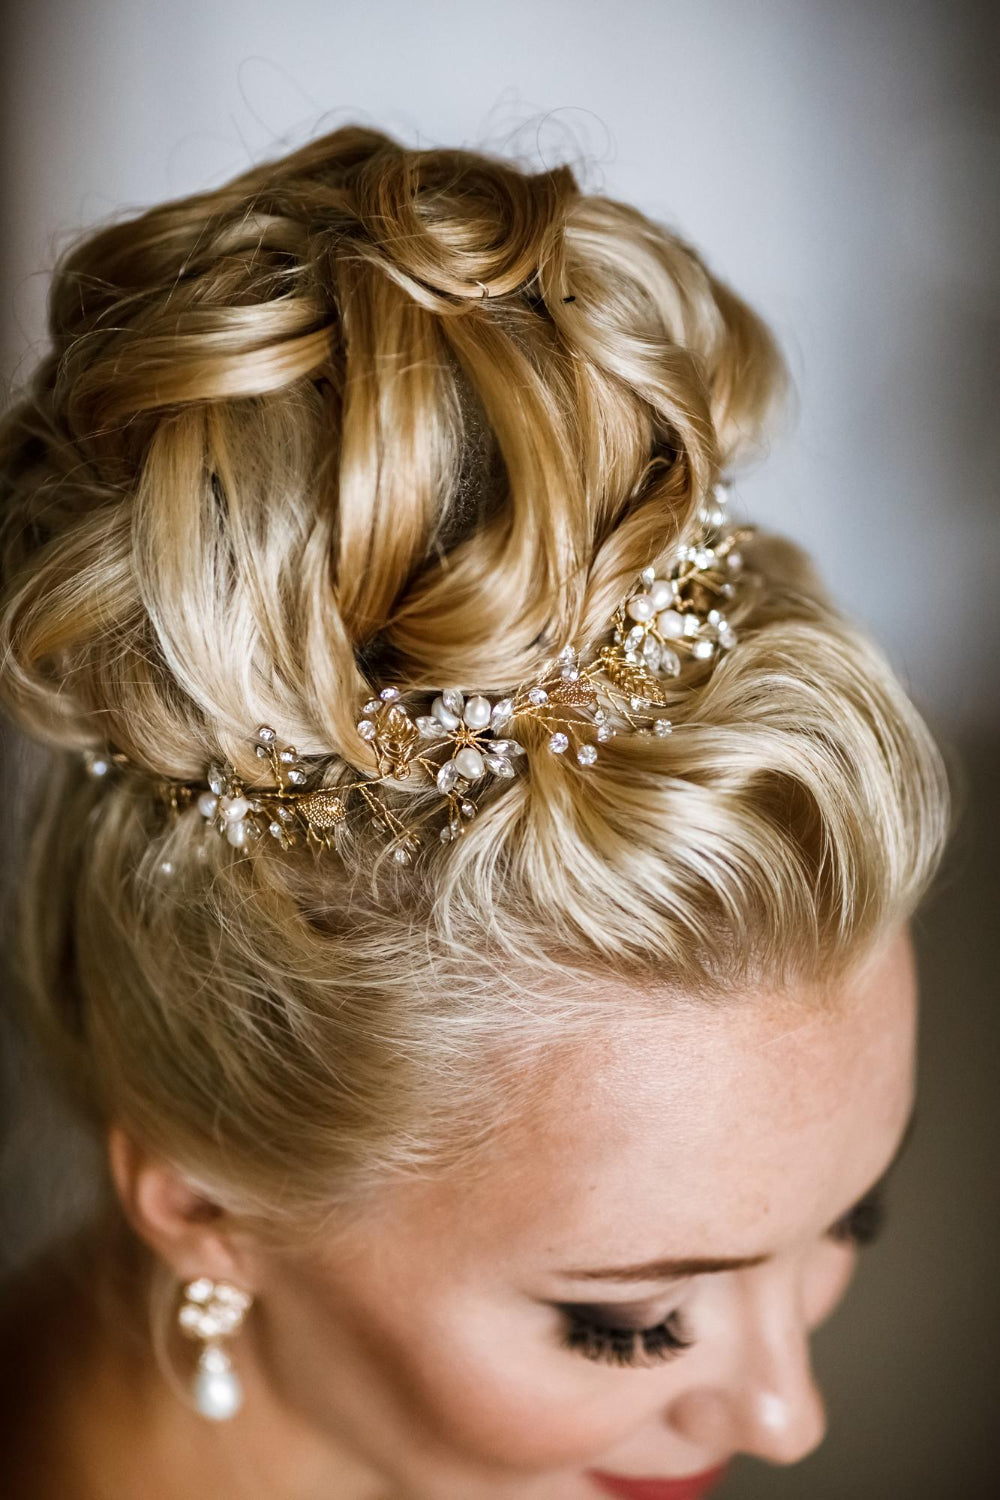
(284, 450)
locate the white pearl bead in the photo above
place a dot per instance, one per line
(661, 593)
(236, 833)
(477, 713)
(218, 1394)
(234, 808)
(670, 624)
(207, 803)
(640, 607)
(470, 763)
(444, 715)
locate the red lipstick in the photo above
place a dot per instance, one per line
(690, 1488)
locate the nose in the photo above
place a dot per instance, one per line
(764, 1401)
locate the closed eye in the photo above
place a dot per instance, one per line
(589, 1333)
(866, 1220)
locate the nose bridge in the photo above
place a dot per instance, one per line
(761, 1397)
(776, 1402)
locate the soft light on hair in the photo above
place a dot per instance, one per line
(282, 451)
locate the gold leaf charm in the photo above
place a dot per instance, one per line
(631, 680)
(322, 809)
(578, 694)
(397, 739)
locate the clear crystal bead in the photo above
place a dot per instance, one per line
(703, 650)
(714, 617)
(275, 830)
(507, 747)
(448, 776)
(568, 653)
(447, 834)
(691, 624)
(288, 755)
(367, 729)
(401, 855)
(635, 638)
(670, 662)
(538, 695)
(587, 754)
(662, 727)
(372, 706)
(734, 561)
(297, 776)
(468, 809)
(727, 636)
(217, 779)
(648, 576)
(558, 742)
(499, 765)
(570, 674)
(430, 728)
(605, 732)
(638, 703)
(387, 694)
(453, 699)
(599, 716)
(261, 752)
(266, 734)
(285, 814)
(501, 712)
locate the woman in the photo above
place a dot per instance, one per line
(471, 894)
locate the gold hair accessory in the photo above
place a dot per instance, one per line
(465, 742)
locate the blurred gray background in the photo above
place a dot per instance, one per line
(837, 163)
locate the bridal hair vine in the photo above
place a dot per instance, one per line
(464, 742)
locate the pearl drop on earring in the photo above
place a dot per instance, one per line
(218, 1394)
(212, 1311)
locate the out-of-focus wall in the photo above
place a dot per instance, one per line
(834, 160)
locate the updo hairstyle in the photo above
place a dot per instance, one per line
(284, 450)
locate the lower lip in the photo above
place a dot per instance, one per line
(691, 1488)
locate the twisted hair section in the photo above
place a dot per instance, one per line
(283, 449)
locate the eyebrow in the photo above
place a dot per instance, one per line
(676, 1270)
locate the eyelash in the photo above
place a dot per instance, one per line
(864, 1223)
(669, 1338)
(623, 1346)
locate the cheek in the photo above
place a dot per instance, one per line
(459, 1381)
(827, 1277)
(509, 1398)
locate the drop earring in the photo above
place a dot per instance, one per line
(213, 1311)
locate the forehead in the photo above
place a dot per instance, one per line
(708, 1130)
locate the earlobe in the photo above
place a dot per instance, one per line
(182, 1226)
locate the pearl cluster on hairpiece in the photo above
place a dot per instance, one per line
(463, 742)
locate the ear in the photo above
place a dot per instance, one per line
(184, 1227)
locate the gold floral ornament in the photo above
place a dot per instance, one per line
(466, 741)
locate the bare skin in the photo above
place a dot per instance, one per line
(422, 1358)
